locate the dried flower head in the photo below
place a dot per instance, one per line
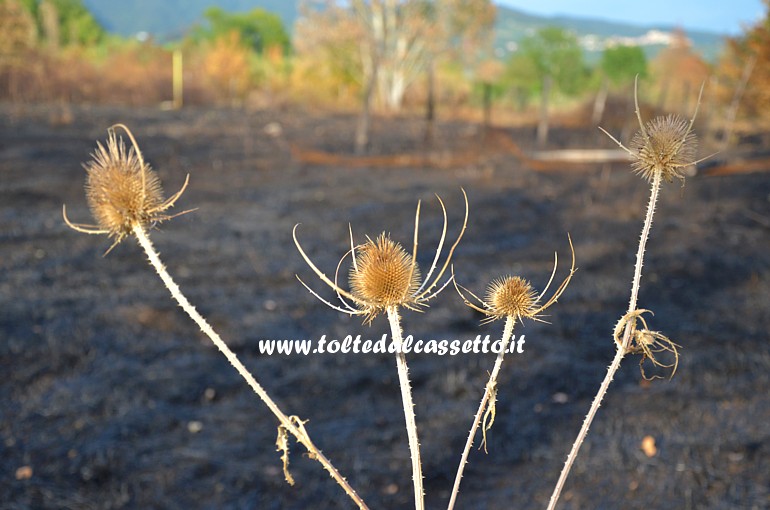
(666, 145)
(123, 191)
(513, 296)
(645, 342)
(384, 275)
(662, 147)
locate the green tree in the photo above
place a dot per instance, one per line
(618, 67)
(557, 61)
(521, 78)
(62, 22)
(258, 28)
(29, 5)
(69, 22)
(621, 64)
(556, 55)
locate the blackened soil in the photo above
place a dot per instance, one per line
(111, 398)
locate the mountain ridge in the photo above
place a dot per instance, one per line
(171, 19)
(596, 33)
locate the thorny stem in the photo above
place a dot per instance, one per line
(655, 188)
(286, 422)
(621, 349)
(488, 391)
(406, 397)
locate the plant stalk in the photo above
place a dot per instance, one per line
(622, 349)
(286, 422)
(488, 391)
(406, 397)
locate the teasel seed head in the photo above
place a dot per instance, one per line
(511, 295)
(123, 192)
(662, 147)
(384, 274)
(667, 145)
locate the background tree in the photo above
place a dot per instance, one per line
(461, 32)
(744, 72)
(18, 35)
(258, 29)
(618, 67)
(226, 69)
(340, 46)
(678, 72)
(521, 78)
(18, 32)
(396, 41)
(557, 61)
(236, 51)
(488, 75)
(68, 23)
(326, 41)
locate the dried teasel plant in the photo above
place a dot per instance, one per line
(514, 299)
(384, 277)
(661, 150)
(126, 198)
(123, 192)
(646, 342)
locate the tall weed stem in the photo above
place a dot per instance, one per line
(489, 394)
(292, 424)
(621, 349)
(406, 397)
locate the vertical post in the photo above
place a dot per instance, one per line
(542, 125)
(364, 123)
(663, 95)
(430, 103)
(178, 78)
(487, 106)
(600, 102)
(686, 96)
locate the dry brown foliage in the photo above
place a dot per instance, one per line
(751, 49)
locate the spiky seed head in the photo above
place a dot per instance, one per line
(511, 296)
(122, 191)
(384, 274)
(669, 148)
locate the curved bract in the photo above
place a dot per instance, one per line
(383, 274)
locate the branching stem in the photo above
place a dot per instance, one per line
(406, 397)
(285, 420)
(613, 368)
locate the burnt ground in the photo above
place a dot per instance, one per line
(111, 398)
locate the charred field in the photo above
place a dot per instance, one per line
(111, 397)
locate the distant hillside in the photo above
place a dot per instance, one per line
(595, 34)
(167, 20)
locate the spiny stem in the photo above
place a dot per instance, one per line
(286, 422)
(613, 368)
(655, 188)
(488, 391)
(406, 397)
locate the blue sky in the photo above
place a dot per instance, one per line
(725, 16)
